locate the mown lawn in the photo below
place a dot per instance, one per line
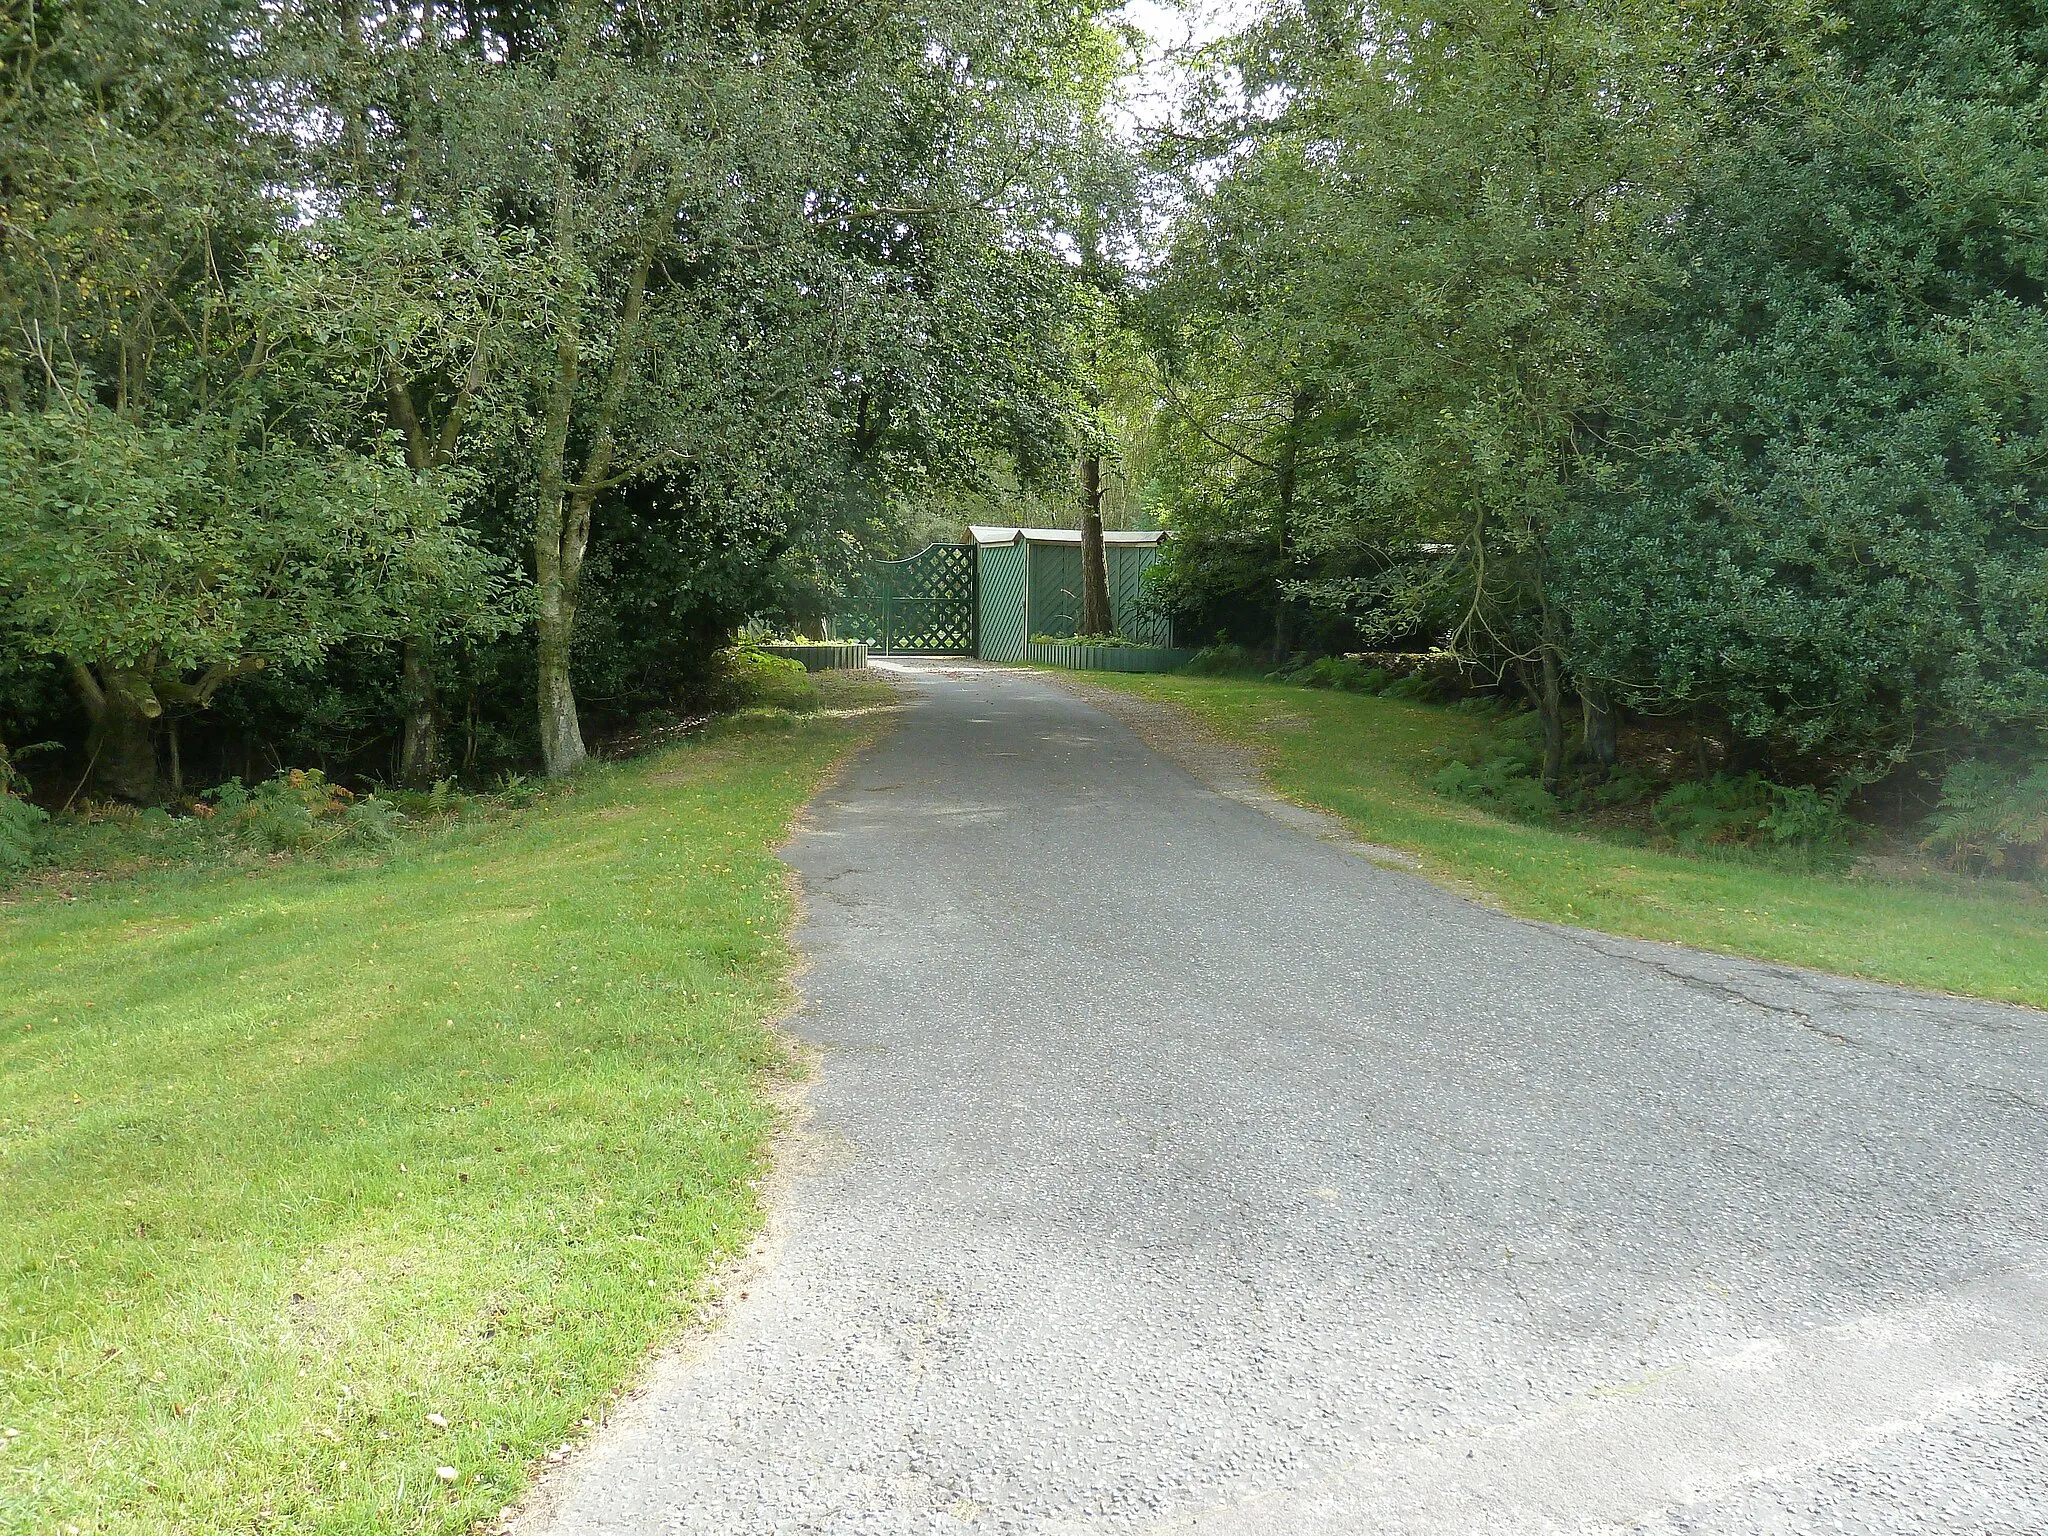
(295, 1160)
(1368, 759)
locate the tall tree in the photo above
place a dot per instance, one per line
(407, 326)
(1096, 618)
(181, 509)
(162, 561)
(1473, 194)
(739, 223)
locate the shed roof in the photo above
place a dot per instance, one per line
(984, 534)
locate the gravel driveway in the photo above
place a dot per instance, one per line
(1172, 1169)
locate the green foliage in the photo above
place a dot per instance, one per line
(1747, 810)
(296, 813)
(1689, 355)
(129, 183)
(282, 814)
(1221, 660)
(749, 678)
(1727, 808)
(1501, 772)
(1342, 673)
(299, 810)
(371, 822)
(1802, 817)
(517, 790)
(174, 548)
(1391, 311)
(548, 281)
(1826, 527)
(1626, 787)
(1992, 818)
(1416, 687)
(441, 798)
(1506, 785)
(21, 834)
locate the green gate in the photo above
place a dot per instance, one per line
(927, 605)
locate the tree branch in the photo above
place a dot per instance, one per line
(200, 694)
(90, 694)
(399, 398)
(1190, 418)
(451, 428)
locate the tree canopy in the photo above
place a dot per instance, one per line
(346, 328)
(400, 382)
(1685, 357)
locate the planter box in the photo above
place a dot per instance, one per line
(1106, 658)
(823, 656)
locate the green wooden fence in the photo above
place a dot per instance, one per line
(1106, 658)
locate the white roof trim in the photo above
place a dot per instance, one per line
(994, 535)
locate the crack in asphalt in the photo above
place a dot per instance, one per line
(1726, 991)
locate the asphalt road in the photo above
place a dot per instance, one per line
(1171, 1169)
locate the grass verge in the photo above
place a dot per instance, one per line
(323, 1178)
(1368, 759)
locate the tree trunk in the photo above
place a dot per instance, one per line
(1096, 618)
(1284, 479)
(126, 743)
(1550, 692)
(1283, 630)
(563, 511)
(419, 752)
(123, 709)
(1547, 686)
(1602, 728)
(561, 733)
(419, 756)
(556, 557)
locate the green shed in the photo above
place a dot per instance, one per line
(1030, 580)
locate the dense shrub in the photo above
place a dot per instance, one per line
(1992, 819)
(1725, 809)
(1802, 817)
(1417, 688)
(1774, 456)
(1748, 810)
(300, 809)
(749, 678)
(1821, 529)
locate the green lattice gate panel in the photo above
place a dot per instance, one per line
(928, 605)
